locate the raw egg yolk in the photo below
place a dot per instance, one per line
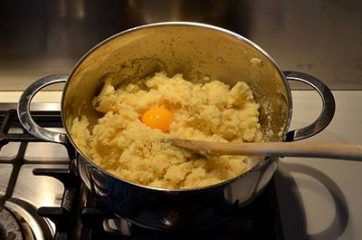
(159, 117)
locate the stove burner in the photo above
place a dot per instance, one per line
(19, 220)
(9, 226)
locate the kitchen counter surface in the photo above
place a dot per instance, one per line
(320, 199)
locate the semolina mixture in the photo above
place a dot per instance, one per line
(128, 146)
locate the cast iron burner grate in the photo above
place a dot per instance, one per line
(81, 217)
(61, 216)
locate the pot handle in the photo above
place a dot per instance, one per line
(24, 114)
(328, 106)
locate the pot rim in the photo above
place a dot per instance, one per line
(263, 161)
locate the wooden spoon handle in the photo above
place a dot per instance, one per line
(347, 151)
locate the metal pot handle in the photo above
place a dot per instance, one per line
(328, 106)
(24, 114)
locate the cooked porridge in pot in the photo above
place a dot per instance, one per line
(128, 140)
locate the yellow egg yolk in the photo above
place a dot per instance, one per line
(159, 117)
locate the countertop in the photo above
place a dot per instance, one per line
(320, 199)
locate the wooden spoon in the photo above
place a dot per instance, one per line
(347, 151)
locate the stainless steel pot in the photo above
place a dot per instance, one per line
(197, 51)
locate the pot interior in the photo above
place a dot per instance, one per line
(198, 51)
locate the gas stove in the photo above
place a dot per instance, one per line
(41, 196)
